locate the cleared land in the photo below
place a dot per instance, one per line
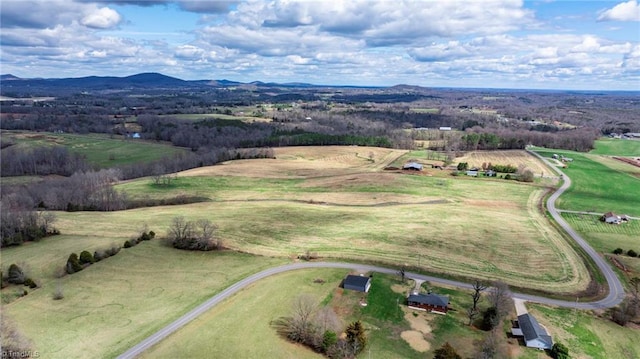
(112, 305)
(515, 158)
(100, 150)
(606, 237)
(596, 187)
(333, 201)
(340, 205)
(616, 147)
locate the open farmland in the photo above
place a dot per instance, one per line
(339, 204)
(616, 147)
(515, 158)
(114, 304)
(100, 150)
(605, 237)
(595, 187)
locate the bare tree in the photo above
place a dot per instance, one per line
(473, 312)
(500, 298)
(180, 228)
(206, 229)
(327, 319)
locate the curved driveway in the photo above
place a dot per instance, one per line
(614, 297)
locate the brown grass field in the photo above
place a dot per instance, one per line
(333, 201)
(338, 203)
(507, 157)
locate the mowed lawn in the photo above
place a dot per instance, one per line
(100, 150)
(114, 304)
(596, 187)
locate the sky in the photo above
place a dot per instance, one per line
(544, 44)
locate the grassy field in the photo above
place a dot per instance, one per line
(515, 158)
(339, 204)
(605, 238)
(334, 201)
(587, 334)
(100, 149)
(596, 187)
(113, 304)
(223, 331)
(616, 147)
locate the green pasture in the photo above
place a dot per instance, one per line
(114, 304)
(616, 147)
(419, 220)
(596, 187)
(100, 150)
(604, 237)
(587, 334)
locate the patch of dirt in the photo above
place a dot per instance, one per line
(416, 340)
(418, 323)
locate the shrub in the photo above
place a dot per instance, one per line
(16, 275)
(507, 177)
(73, 264)
(152, 234)
(559, 351)
(145, 237)
(328, 340)
(30, 283)
(632, 253)
(98, 256)
(127, 244)
(112, 251)
(86, 258)
(446, 351)
(618, 251)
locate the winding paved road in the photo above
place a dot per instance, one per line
(614, 297)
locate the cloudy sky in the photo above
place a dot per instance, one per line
(471, 43)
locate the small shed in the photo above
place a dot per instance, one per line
(430, 302)
(472, 173)
(358, 283)
(413, 166)
(535, 336)
(445, 128)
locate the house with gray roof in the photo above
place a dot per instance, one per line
(535, 336)
(430, 302)
(415, 166)
(358, 283)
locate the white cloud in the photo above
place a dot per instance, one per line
(102, 18)
(626, 11)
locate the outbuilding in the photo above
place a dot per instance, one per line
(358, 283)
(414, 166)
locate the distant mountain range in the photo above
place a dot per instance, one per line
(140, 81)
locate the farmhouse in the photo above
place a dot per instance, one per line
(358, 283)
(534, 335)
(431, 302)
(611, 218)
(413, 166)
